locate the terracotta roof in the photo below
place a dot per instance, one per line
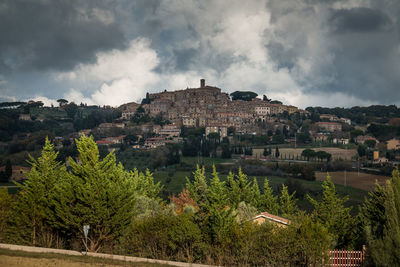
(324, 122)
(272, 217)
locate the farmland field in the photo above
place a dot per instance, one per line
(362, 181)
(336, 152)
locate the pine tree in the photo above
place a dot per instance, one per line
(255, 199)
(198, 190)
(338, 223)
(269, 202)
(287, 202)
(34, 219)
(239, 188)
(380, 215)
(218, 194)
(98, 193)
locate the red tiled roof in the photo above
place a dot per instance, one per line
(324, 122)
(272, 217)
(103, 142)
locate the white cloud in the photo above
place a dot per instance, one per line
(77, 97)
(303, 100)
(46, 101)
(118, 76)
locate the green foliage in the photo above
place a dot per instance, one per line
(8, 169)
(380, 217)
(34, 218)
(99, 193)
(338, 223)
(308, 153)
(277, 152)
(269, 202)
(243, 95)
(287, 202)
(5, 211)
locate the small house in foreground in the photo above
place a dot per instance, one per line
(265, 216)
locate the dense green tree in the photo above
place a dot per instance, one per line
(308, 153)
(101, 194)
(361, 150)
(34, 220)
(277, 152)
(269, 202)
(6, 202)
(339, 223)
(381, 222)
(243, 95)
(8, 169)
(62, 102)
(287, 202)
(71, 109)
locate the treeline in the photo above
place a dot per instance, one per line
(360, 114)
(210, 221)
(53, 120)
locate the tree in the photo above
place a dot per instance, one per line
(339, 223)
(277, 152)
(380, 216)
(269, 202)
(34, 220)
(287, 202)
(71, 109)
(8, 169)
(226, 151)
(131, 139)
(243, 95)
(308, 153)
(6, 202)
(370, 143)
(361, 150)
(101, 194)
(62, 102)
(265, 98)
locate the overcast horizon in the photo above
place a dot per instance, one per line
(303, 53)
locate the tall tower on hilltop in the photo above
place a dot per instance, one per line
(202, 83)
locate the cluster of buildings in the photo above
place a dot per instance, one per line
(208, 107)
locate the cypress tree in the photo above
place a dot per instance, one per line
(269, 202)
(287, 202)
(339, 223)
(380, 215)
(34, 215)
(99, 193)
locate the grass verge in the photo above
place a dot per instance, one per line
(63, 260)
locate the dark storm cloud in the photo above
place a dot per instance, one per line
(359, 20)
(54, 35)
(285, 58)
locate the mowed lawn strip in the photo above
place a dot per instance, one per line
(22, 258)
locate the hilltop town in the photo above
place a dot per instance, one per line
(204, 122)
(209, 107)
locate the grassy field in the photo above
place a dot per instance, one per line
(334, 151)
(11, 258)
(360, 180)
(203, 160)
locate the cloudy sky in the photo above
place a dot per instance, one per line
(302, 52)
